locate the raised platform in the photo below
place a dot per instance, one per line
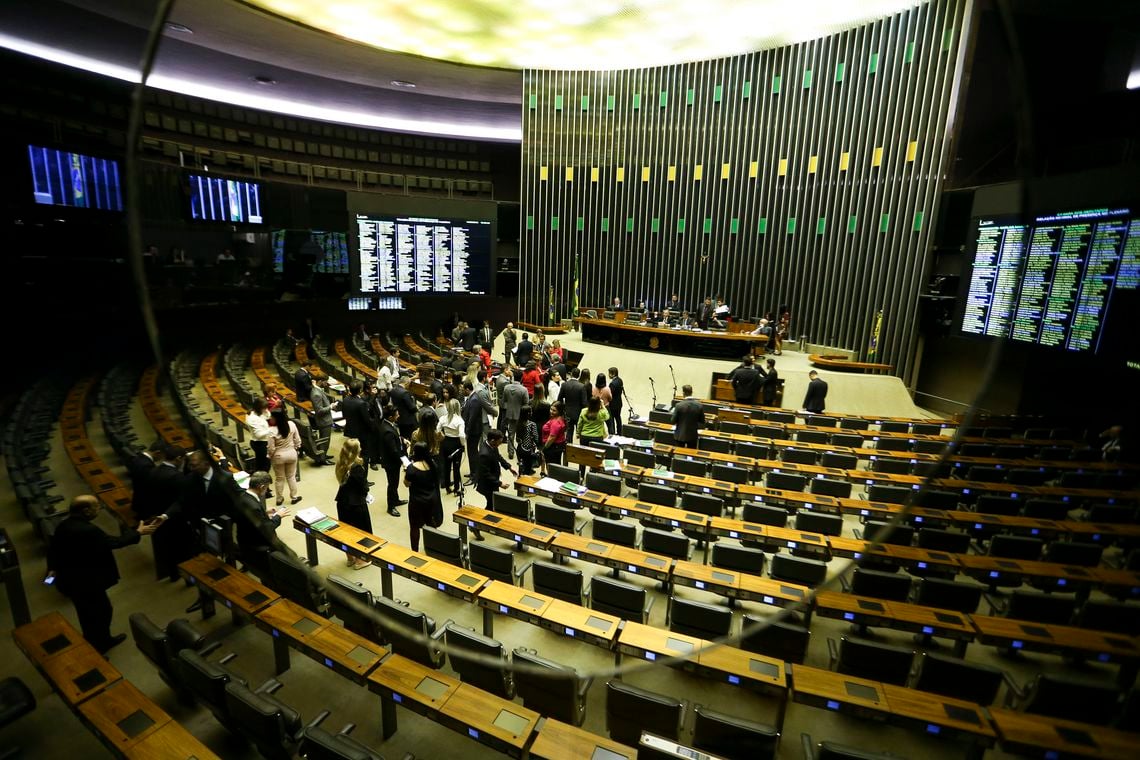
(713, 344)
(842, 363)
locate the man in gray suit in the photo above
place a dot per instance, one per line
(511, 401)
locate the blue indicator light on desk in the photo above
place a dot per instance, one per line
(734, 679)
(1034, 531)
(276, 633)
(733, 534)
(1017, 644)
(397, 697)
(573, 499)
(933, 729)
(632, 568)
(474, 734)
(758, 498)
(518, 538)
(869, 481)
(650, 656)
(858, 555)
(1052, 755)
(1064, 498)
(791, 544)
(915, 486)
(1102, 657)
(660, 482)
(919, 519)
(229, 604)
(848, 615)
(927, 629)
(328, 662)
(769, 600)
(308, 531)
(574, 553)
(471, 523)
(674, 523)
(530, 490)
(699, 584)
(624, 512)
(1061, 581)
(193, 581)
(569, 631)
(441, 587)
(343, 548)
(995, 574)
(503, 608)
(864, 512)
(1096, 537)
(921, 565)
(965, 491)
(977, 526)
(1112, 501)
(390, 567)
(832, 704)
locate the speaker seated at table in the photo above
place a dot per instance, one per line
(1032, 606)
(559, 518)
(785, 481)
(885, 533)
(631, 710)
(494, 563)
(294, 580)
(472, 655)
(954, 677)
(269, 724)
(161, 647)
(948, 595)
(352, 604)
(888, 494)
(603, 483)
(206, 681)
(620, 599)
(1066, 698)
(704, 621)
(508, 504)
(839, 489)
(319, 744)
(557, 581)
(880, 585)
(614, 531)
(839, 461)
(832, 751)
(410, 633)
(781, 639)
(730, 737)
(870, 660)
(663, 542)
(550, 688)
(1105, 615)
(445, 546)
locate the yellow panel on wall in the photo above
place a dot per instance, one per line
(844, 160)
(593, 174)
(672, 173)
(754, 169)
(725, 170)
(783, 170)
(569, 173)
(877, 158)
(813, 164)
(645, 174)
(542, 172)
(621, 174)
(911, 150)
(698, 172)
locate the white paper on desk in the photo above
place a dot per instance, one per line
(620, 440)
(548, 484)
(337, 415)
(310, 515)
(241, 477)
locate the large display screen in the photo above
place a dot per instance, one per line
(61, 178)
(1052, 282)
(216, 199)
(417, 254)
(327, 252)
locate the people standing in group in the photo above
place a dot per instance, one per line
(359, 423)
(592, 423)
(302, 383)
(384, 375)
(451, 427)
(513, 398)
(484, 356)
(391, 451)
(284, 452)
(524, 352)
(257, 421)
(173, 540)
(815, 399)
(527, 440)
(530, 377)
(688, 418)
(140, 465)
(554, 385)
(425, 506)
(746, 380)
(406, 407)
(486, 334)
(554, 436)
(557, 354)
(352, 496)
(510, 340)
(770, 384)
(573, 395)
(478, 410)
(705, 313)
(427, 432)
(617, 394)
(602, 391)
(81, 564)
(540, 406)
(322, 420)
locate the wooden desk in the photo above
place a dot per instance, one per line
(490, 719)
(579, 547)
(122, 716)
(672, 341)
(841, 693)
(1041, 736)
(289, 623)
(1122, 584)
(939, 716)
(790, 538)
(767, 591)
(861, 610)
(342, 536)
(997, 570)
(169, 742)
(653, 644)
(527, 485)
(707, 578)
(420, 568)
(581, 623)
(625, 559)
(47, 636)
(670, 517)
(345, 652)
(515, 601)
(239, 592)
(79, 673)
(740, 668)
(560, 741)
(400, 681)
(523, 533)
(930, 621)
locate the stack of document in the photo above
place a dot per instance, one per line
(571, 487)
(611, 464)
(316, 519)
(662, 472)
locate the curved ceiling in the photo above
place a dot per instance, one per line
(416, 72)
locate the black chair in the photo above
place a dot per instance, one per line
(1079, 553)
(664, 437)
(840, 489)
(800, 456)
(838, 460)
(850, 440)
(985, 473)
(992, 504)
(884, 533)
(1034, 607)
(269, 724)
(661, 415)
(976, 450)
(620, 599)
(935, 499)
(1046, 509)
(704, 621)
(819, 522)
(785, 481)
(559, 518)
(737, 428)
(871, 660)
(730, 473)
(206, 682)
(925, 428)
(410, 633)
(739, 558)
(16, 701)
(948, 595)
(319, 744)
(603, 483)
(832, 751)
(557, 581)
(774, 638)
(880, 585)
(639, 458)
(445, 546)
(934, 470)
(352, 603)
(808, 572)
(508, 504)
(614, 531)
(817, 420)
(471, 656)
(1015, 547)
(958, 679)
(944, 540)
(785, 418)
(1025, 476)
(753, 450)
(703, 504)
(630, 710)
(698, 467)
(636, 431)
(1066, 698)
(854, 423)
(161, 647)
(888, 494)
(293, 579)
(494, 563)
(894, 426)
(894, 444)
(813, 436)
(657, 494)
(733, 738)
(1117, 617)
(770, 432)
(762, 514)
(892, 466)
(663, 542)
(925, 446)
(550, 688)
(1078, 480)
(562, 473)
(1111, 513)
(711, 443)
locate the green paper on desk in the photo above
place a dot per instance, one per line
(324, 525)
(611, 464)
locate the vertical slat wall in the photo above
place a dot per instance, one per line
(805, 175)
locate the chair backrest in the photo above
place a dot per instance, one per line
(1025, 476)
(1046, 509)
(551, 516)
(657, 494)
(851, 440)
(926, 428)
(741, 558)
(894, 444)
(1080, 553)
(839, 460)
(639, 458)
(785, 481)
(635, 430)
(775, 638)
(924, 446)
(705, 621)
(604, 483)
(753, 450)
(809, 572)
(799, 456)
(888, 494)
(893, 466)
(445, 546)
(819, 522)
(462, 644)
(827, 487)
(1055, 609)
(1103, 615)
(854, 423)
(985, 473)
(663, 436)
(1015, 547)
(272, 726)
(711, 443)
(614, 531)
(879, 662)
(1111, 513)
(933, 469)
(509, 504)
(660, 415)
(631, 710)
(698, 467)
(549, 688)
(880, 585)
(408, 632)
(739, 428)
(151, 641)
(819, 420)
(813, 436)
(730, 473)
(492, 562)
(618, 598)
(956, 678)
(555, 580)
(994, 504)
(893, 426)
(834, 751)
(948, 595)
(728, 736)
(1078, 480)
(663, 542)
(319, 744)
(291, 578)
(944, 540)
(352, 603)
(1070, 699)
(976, 450)
(562, 473)
(771, 432)
(935, 499)
(703, 503)
(875, 530)
(207, 682)
(762, 514)
(181, 634)
(787, 418)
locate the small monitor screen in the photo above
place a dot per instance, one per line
(324, 252)
(214, 538)
(62, 178)
(217, 199)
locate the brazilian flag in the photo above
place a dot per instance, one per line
(551, 299)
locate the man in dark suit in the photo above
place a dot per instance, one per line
(705, 313)
(524, 351)
(358, 422)
(139, 467)
(81, 560)
(256, 525)
(574, 397)
(476, 412)
(617, 388)
(392, 448)
(406, 407)
(303, 383)
(486, 334)
(745, 381)
(491, 465)
(173, 541)
(816, 394)
(688, 418)
(468, 337)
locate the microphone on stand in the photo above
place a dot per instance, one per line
(654, 387)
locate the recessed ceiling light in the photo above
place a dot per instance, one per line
(264, 80)
(174, 26)
(402, 83)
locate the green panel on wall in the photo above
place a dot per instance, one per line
(852, 223)
(605, 224)
(681, 224)
(663, 100)
(533, 101)
(530, 221)
(637, 100)
(918, 221)
(734, 225)
(821, 225)
(873, 66)
(580, 224)
(718, 93)
(791, 225)
(839, 68)
(554, 223)
(629, 224)
(908, 57)
(884, 222)
(708, 224)
(690, 96)
(947, 38)
(655, 224)
(746, 89)
(557, 102)
(775, 84)
(585, 102)
(610, 102)
(807, 79)
(762, 225)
